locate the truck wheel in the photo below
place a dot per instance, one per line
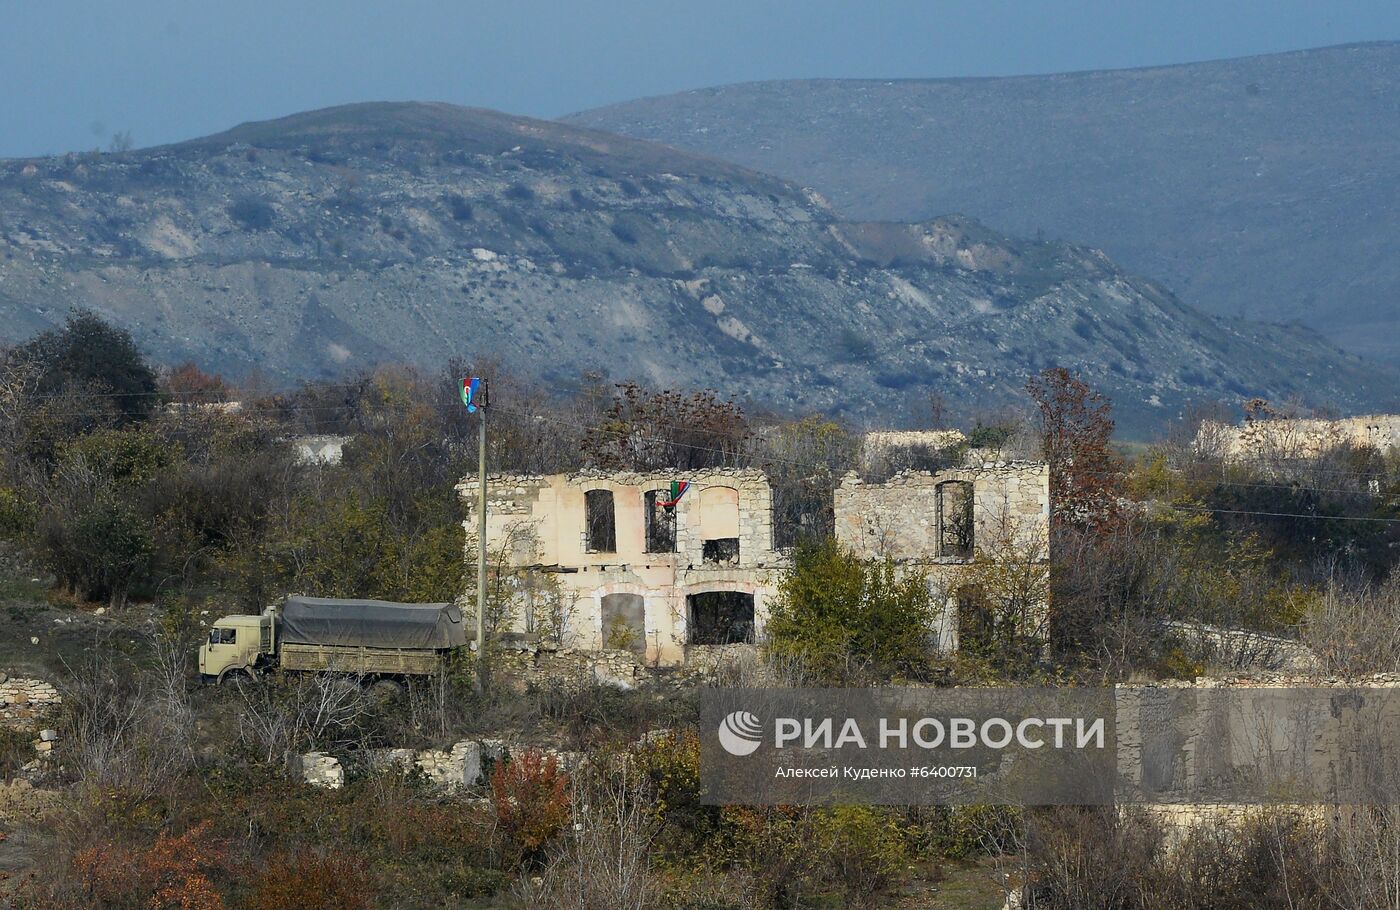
(235, 678)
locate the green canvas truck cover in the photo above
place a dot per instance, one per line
(371, 623)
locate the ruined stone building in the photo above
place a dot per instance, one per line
(942, 523)
(608, 560)
(1283, 439)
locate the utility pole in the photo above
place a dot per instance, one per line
(481, 549)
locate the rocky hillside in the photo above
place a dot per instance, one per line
(1265, 187)
(336, 239)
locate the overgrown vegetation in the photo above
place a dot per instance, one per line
(174, 496)
(846, 620)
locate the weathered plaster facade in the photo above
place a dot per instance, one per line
(597, 561)
(540, 524)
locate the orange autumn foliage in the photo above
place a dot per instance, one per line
(172, 874)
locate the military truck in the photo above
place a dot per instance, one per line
(373, 638)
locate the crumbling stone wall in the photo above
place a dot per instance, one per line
(882, 449)
(903, 519)
(1140, 720)
(540, 519)
(1281, 439)
(900, 518)
(570, 667)
(24, 702)
(1243, 650)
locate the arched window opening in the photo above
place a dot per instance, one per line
(719, 525)
(661, 523)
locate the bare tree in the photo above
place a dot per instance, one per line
(1354, 628)
(285, 715)
(124, 729)
(606, 864)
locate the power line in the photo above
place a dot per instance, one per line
(1288, 514)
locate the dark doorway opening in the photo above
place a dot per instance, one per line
(721, 618)
(976, 624)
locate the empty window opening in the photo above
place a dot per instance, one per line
(624, 623)
(661, 523)
(724, 551)
(600, 523)
(802, 510)
(721, 618)
(955, 519)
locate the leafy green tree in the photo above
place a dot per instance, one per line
(840, 615)
(95, 531)
(99, 550)
(93, 356)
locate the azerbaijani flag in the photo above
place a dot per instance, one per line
(471, 393)
(678, 488)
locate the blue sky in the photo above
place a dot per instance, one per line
(72, 73)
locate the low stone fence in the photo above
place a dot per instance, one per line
(24, 702)
(1243, 650)
(569, 667)
(525, 666)
(465, 766)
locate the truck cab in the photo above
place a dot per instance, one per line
(236, 646)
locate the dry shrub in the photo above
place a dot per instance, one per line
(531, 798)
(689, 837)
(307, 880)
(16, 748)
(1354, 629)
(1088, 858)
(175, 872)
(1274, 859)
(606, 863)
(283, 714)
(124, 730)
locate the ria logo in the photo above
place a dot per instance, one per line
(740, 733)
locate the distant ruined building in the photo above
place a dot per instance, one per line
(608, 560)
(1279, 439)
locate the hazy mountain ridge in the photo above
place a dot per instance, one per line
(1267, 186)
(349, 236)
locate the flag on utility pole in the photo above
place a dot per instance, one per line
(474, 397)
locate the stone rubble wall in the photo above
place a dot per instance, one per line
(1244, 650)
(899, 518)
(465, 766)
(580, 668)
(1136, 722)
(1288, 438)
(24, 701)
(573, 668)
